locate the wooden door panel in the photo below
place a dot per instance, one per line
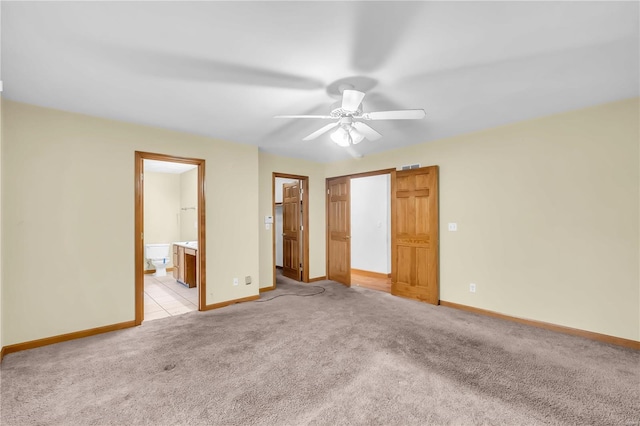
(290, 255)
(339, 230)
(405, 212)
(339, 224)
(422, 181)
(403, 183)
(405, 259)
(338, 262)
(413, 292)
(286, 248)
(422, 275)
(415, 234)
(291, 230)
(421, 210)
(289, 212)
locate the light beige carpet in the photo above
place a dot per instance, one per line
(345, 356)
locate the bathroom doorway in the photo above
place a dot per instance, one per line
(170, 227)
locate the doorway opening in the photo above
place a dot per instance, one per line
(290, 232)
(370, 200)
(359, 229)
(413, 232)
(169, 235)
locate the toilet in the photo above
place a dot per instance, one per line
(158, 254)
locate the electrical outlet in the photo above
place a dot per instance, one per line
(472, 288)
(453, 227)
(235, 281)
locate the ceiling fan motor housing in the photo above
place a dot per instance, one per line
(337, 111)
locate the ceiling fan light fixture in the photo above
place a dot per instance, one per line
(347, 135)
(340, 137)
(356, 136)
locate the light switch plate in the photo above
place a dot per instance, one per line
(453, 227)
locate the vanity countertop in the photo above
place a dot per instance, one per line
(187, 244)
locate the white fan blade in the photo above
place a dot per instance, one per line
(321, 131)
(367, 131)
(351, 99)
(405, 114)
(303, 116)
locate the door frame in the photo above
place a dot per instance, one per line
(391, 172)
(139, 228)
(304, 184)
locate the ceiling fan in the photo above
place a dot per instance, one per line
(351, 131)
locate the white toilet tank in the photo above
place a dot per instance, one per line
(156, 251)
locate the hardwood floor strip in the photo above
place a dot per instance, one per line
(380, 282)
(605, 338)
(65, 337)
(369, 273)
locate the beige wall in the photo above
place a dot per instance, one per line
(547, 213)
(68, 216)
(315, 171)
(1, 270)
(189, 200)
(161, 210)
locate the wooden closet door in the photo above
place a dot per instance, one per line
(291, 230)
(414, 245)
(339, 230)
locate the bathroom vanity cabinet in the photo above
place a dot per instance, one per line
(184, 264)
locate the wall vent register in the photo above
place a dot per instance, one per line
(410, 167)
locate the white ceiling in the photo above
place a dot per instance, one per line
(224, 69)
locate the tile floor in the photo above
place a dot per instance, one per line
(165, 297)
